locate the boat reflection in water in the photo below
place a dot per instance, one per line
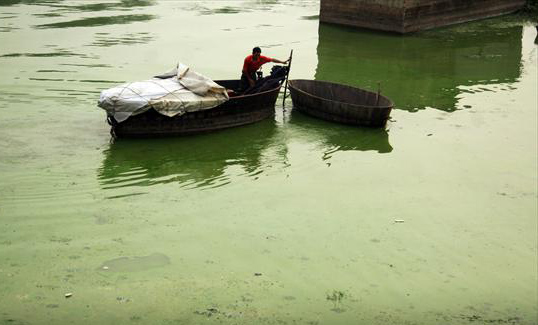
(427, 69)
(332, 137)
(195, 161)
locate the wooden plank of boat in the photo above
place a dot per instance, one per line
(340, 103)
(239, 110)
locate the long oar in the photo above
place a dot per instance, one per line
(287, 74)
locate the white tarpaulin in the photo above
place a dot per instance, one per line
(185, 91)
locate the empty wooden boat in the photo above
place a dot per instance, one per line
(340, 103)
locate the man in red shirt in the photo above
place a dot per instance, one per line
(252, 64)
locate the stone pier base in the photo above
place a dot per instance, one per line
(404, 16)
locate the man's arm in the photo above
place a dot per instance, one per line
(278, 61)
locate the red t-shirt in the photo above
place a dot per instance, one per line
(251, 66)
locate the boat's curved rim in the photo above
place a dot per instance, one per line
(336, 101)
(250, 95)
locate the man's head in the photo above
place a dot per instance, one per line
(256, 52)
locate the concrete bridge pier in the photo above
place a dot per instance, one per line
(405, 16)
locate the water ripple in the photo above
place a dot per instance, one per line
(8, 3)
(97, 65)
(223, 10)
(7, 29)
(23, 188)
(55, 71)
(122, 5)
(103, 40)
(48, 15)
(59, 53)
(125, 195)
(98, 21)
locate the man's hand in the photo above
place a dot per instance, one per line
(251, 82)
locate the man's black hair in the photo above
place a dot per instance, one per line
(256, 50)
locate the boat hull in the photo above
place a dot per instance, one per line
(240, 110)
(340, 103)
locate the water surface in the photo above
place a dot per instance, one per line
(292, 220)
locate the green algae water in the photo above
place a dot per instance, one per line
(293, 220)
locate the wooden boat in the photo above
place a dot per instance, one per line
(340, 103)
(239, 110)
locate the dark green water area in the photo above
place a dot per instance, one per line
(293, 220)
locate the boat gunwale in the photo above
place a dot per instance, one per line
(248, 95)
(336, 101)
(260, 93)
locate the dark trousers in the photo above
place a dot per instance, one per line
(244, 81)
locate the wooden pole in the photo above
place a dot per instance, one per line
(286, 84)
(378, 93)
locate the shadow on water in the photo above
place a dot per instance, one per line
(194, 161)
(336, 137)
(424, 69)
